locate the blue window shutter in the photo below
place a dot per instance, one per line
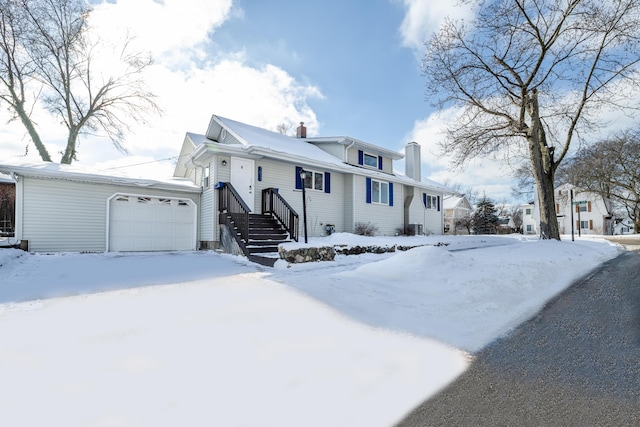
(380, 162)
(327, 182)
(391, 194)
(298, 179)
(424, 200)
(438, 203)
(368, 190)
(360, 157)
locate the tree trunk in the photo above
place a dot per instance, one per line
(543, 172)
(33, 133)
(70, 152)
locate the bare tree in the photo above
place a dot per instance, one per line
(529, 76)
(283, 128)
(47, 47)
(516, 218)
(610, 169)
(466, 222)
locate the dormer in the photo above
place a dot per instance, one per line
(358, 153)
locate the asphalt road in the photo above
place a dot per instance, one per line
(577, 363)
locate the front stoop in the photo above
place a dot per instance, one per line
(265, 234)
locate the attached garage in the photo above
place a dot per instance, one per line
(62, 208)
(144, 223)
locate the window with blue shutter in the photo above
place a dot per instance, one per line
(379, 192)
(360, 157)
(380, 162)
(314, 180)
(431, 202)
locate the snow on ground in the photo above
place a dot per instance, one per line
(207, 339)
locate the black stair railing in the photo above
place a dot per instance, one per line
(273, 203)
(230, 203)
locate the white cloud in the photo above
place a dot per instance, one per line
(424, 17)
(489, 175)
(161, 27)
(188, 94)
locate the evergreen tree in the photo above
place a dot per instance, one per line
(485, 220)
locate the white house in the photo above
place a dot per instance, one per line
(530, 218)
(456, 207)
(591, 214)
(624, 226)
(231, 176)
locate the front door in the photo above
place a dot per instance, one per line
(242, 179)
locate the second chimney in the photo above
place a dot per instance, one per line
(301, 132)
(413, 161)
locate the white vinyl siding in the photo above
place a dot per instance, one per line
(61, 215)
(322, 208)
(386, 218)
(207, 214)
(353, 159)
(336, 150)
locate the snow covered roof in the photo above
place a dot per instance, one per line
(453, 202)
(50, 170)
(6, 179)
(347, 140)
(254, 141)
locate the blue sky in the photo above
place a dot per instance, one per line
(343, 67)
(352, 51)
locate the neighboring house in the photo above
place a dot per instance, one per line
(7, 204)
(530, 218)
(590, 213)
(233, 166)
(456, 208)
(623, 226)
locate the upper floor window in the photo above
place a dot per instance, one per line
(370, 160)
(527, 211)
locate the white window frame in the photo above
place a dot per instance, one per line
(527, 211)
(310, 179)
(372, 157)
(432, 202)
(206, 177)
(383, 196)
(584, 224)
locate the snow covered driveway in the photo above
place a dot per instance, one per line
(208, 339)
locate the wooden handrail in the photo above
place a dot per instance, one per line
(230, 202)
(273, 203)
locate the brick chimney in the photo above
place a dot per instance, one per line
(413, 161)
(301, 131)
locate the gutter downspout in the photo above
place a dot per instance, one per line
(19, 211)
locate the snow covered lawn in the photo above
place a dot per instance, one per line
(206, 339)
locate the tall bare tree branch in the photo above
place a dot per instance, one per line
(533, 74)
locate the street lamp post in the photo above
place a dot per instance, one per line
(303, 176)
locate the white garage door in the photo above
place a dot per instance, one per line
(138, 223)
